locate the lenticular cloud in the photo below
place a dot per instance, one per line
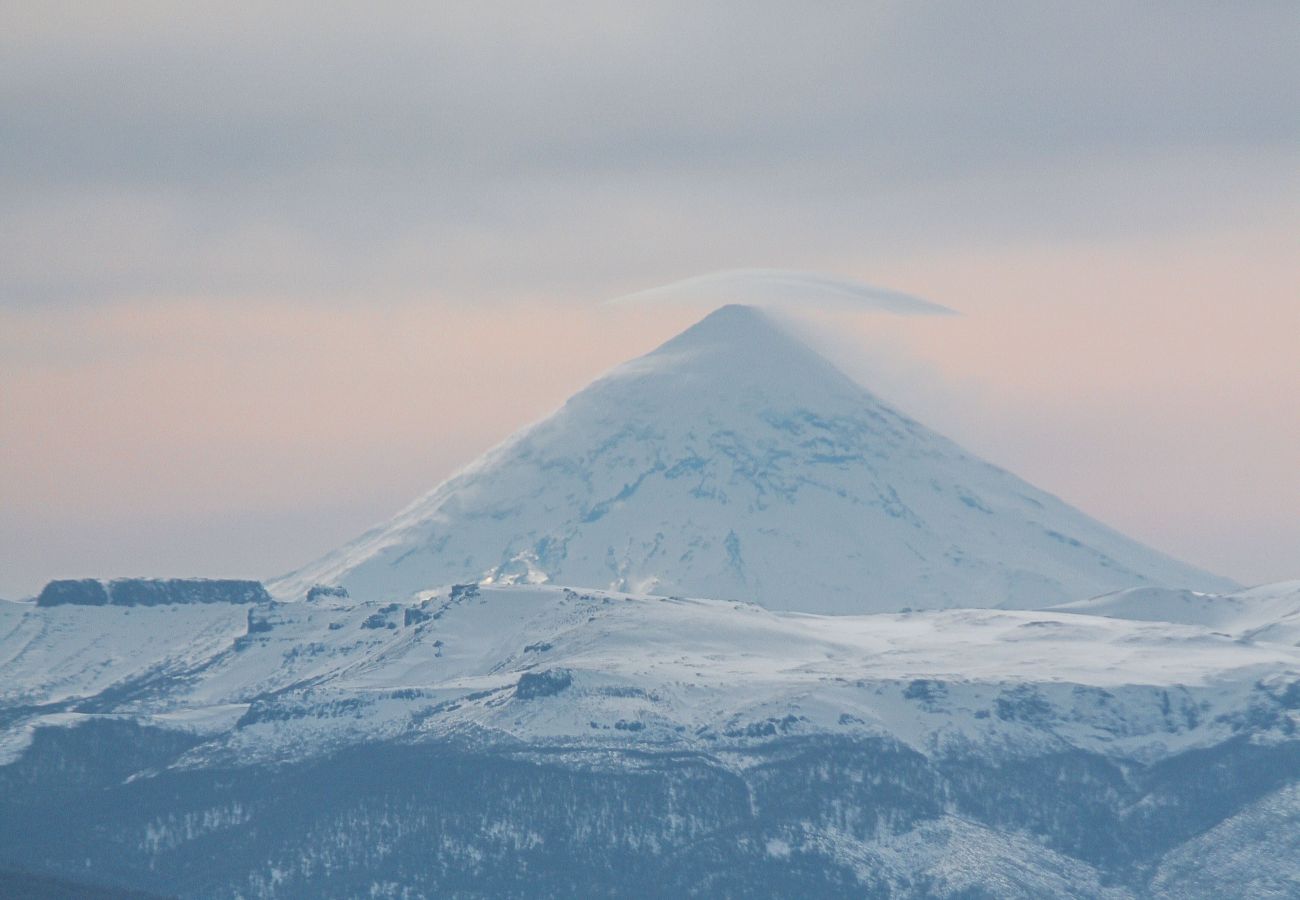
(784, 289)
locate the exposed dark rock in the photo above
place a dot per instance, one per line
(151, 592)
(543, 684)
(414, 616)
(79, 592)
(325, 591)
(463, 592)
(257, 624)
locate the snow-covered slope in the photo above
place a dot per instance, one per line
(546, 665)
(735, 462)
(1270, 612)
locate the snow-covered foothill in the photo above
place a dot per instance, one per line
(548, 665)
(1269, 612)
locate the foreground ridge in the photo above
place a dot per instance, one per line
(545, 741)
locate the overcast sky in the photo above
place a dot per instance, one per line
(268, 271)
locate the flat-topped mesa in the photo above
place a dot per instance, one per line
(151, 592)
(736, 462)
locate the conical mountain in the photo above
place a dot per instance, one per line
(735, 462)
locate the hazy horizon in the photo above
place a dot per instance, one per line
(268, 276)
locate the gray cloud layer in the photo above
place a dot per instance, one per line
(496, 150)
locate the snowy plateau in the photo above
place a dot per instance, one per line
(726, 625)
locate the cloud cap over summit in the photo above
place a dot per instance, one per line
(785, 289)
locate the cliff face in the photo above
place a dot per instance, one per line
(151, 592)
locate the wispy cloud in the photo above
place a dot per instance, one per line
(783, 289)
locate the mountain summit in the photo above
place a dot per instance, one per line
(735, 462)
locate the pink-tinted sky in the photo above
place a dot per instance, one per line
(264, 280)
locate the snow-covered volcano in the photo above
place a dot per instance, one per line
(735, 462)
